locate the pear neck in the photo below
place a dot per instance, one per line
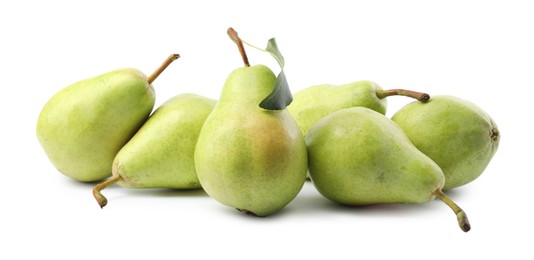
(248, 86)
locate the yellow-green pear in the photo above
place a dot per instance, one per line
(313, 103)
(83, 126)
(358, 156)
(248, 157)
(457, 134)
(161, 153)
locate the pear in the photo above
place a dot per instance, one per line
(312, 103)
(248, 157)
(358, 156)
(161, 153)
(457, 134)
(83, 126)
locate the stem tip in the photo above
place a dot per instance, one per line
(463, 221)
(424, 97)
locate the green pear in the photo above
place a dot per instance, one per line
(161, 153)
(313, 103)
(457, 134)
(358, 156)
(83, 126)
(248, 157)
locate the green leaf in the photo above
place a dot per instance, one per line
(272, 48)
(280, 97)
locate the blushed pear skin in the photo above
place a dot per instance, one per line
(247, 157)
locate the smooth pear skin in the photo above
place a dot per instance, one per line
(83, 126)
(161, 153)
(247, 157)
(313, 103)
(457, 134)
(358, 156)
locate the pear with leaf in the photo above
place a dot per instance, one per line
(250, 153)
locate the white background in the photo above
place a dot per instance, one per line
(478, 50)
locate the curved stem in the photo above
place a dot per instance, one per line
(423, 97)
(162, 67)
(463, 221)
(102, 201)
(233, 35)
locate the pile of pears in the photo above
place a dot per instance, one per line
(254, 148)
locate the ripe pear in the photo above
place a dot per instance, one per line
(358, 156)
(247, 157)
(312, 103)
(457, 134)
(83, 126)
(161, 153)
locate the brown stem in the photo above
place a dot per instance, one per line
(102, 201)
(463, 221)
(423, 97)
(233, 35)
(163, 66)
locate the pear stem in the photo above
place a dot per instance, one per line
(102, 201)
(162, 67)
(463, 221)
(423, 97)
(233, 35)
